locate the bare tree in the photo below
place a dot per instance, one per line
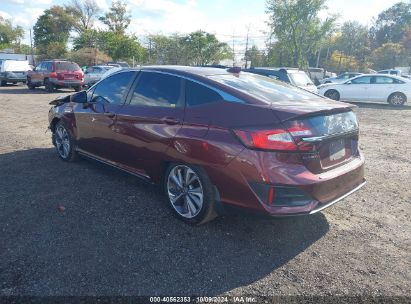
(86, 11)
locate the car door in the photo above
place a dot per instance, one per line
(356, 89)
(382, 87)
(96, 133)
(150, 120)
(36, 76)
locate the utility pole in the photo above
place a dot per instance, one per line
(31, 49)
(233, 50)
(318, 57)
(149, 50)
(246, 48)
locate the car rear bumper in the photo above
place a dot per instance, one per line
(13, 79)
(320, 207)
(271, 171)
(66, 83)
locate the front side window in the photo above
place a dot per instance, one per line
(157, 90)
(362, 80)
(112, 89)
(49, 66)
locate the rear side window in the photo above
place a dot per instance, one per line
(157, 90)
(197, 94)
(112, 89)
(66, 66)
(383, 80)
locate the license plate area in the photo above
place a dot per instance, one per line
(336, 150)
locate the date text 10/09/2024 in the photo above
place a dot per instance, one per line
(222, 299)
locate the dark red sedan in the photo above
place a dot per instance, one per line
(215, 138)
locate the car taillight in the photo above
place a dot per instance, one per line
(276, 139)
(53, 75)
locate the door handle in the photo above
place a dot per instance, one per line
(170, 121)
(109, 114)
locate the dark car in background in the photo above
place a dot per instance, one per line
(215, 139)
(289, 75)
(55, 74)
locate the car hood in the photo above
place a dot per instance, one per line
(287, 110)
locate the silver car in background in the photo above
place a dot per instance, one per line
(94, 73)
(340, 78)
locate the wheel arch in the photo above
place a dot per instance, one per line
(397, 92)
(53, 123)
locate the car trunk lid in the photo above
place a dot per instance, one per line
(326, 138)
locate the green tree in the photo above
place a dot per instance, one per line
(52, 31)
(86, 39)
(120, 47)
(167, 50)
(392, 24)
(255, 57)
(389, 55)
(9, 35)
(117, 18)
(298, 28)
(204, 48)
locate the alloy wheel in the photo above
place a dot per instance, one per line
(185, 191)
(62, 142)
(397, 99)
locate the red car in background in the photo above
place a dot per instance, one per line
(216, 138)
(55, 74)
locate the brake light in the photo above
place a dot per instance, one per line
(277, 139)
(53, 75)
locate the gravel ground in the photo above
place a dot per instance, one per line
(116, 236)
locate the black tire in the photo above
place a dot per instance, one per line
(207, 211)
(49, 86)
(59, 141)
(30, 85)
(397, 99)
(332, 94)
(78, 89)
(3, 83)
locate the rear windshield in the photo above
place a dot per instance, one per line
(265, 88)
(67, 66)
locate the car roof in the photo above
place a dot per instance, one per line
(379, 75)
(199, 71)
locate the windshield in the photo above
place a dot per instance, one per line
(263, 88)
(300, 79)
(67, 66)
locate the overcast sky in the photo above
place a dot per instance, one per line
(224, 18)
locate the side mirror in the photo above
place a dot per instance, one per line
(348, 82)
(80, 97)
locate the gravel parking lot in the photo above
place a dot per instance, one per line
(116, 235)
